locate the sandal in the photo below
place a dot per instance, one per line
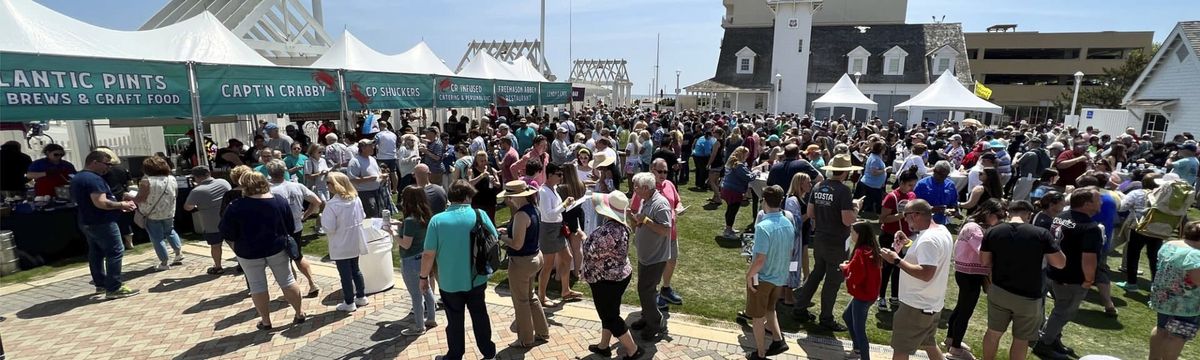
(215, 271)
(263, 327)
(549, 304)
(312, 294)
(573, 296)
(299, 319)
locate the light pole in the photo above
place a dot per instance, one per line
(778, 89)
(1075, 98)
(677, 73)
(854, 110)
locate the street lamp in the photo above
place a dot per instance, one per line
(677, 72)
(853, 110)
(1075, 98)
(778, 89)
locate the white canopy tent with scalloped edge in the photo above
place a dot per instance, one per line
(350, 53)
(845, 94)
(946, 93)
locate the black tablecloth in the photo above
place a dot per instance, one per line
(49, 235)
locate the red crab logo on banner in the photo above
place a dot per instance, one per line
(325, 79)
(444, 84)
(358, 95)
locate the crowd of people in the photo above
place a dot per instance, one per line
(1015, 213)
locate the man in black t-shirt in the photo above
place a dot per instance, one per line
(1015, 252)
(834, 208)
(1081, 240)
(781, 172)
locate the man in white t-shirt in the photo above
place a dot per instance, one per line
(385, 152)
(923, 280)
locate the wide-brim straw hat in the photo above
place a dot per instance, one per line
(841, 162)
(517, 188)
(600, 160)
(611, 205)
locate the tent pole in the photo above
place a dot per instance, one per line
(541, 110)
(342, 99)
(435, 107)
(197, 119)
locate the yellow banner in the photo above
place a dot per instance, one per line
(982, 91)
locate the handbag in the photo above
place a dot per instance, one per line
(139, 218)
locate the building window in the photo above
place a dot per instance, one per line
(725, 101)
(800, 47)
(1181, 53)
(1108, 53)
(1155, 124)
(858, 60)
(1030, 54)
(745, 60)
(893, 61)
(972, 54)
(759, 100)
(943, 59)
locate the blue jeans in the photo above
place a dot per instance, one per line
(423, 305)
(352, 279)
(105, 251)
(160, 232)
(855, 317)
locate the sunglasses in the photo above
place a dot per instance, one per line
(58, 154)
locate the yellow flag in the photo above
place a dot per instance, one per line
(982, 91)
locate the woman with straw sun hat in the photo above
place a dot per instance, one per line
(607, 271)
(525, 260)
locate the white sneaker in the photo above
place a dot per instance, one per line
(413, 332)
(162, 267)
(362, 301)
(178, 258)
(344, 307)
(882, 305)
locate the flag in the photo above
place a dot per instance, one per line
(982, 91)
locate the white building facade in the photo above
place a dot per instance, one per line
(1166, 96)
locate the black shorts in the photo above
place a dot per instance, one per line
(293, 247)
(212, 238)
(573, 219)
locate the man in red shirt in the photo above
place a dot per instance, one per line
(1071, 164)
(508, 157)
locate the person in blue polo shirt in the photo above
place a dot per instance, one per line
(939, 191)
(700, 154)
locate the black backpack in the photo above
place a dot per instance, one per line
(485, 249)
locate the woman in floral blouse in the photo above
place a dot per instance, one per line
(606, 269)
(1175, 294)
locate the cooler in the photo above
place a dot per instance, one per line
(377, 267)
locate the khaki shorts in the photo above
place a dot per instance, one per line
(1024, 313)
(758, 303)
(913, 329)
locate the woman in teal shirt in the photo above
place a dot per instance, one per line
(1175, 294)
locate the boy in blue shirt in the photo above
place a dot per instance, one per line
(774, 236)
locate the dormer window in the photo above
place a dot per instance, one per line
(944, 59)
(745, 60)
(893, 61)
(857, 60)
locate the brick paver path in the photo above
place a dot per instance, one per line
(184, 313)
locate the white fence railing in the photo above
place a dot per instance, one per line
(125, 146)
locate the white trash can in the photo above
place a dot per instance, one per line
(376, 265)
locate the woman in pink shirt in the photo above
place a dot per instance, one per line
(969, 272)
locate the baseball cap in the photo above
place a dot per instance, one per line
(271, 126)
(1189, 147)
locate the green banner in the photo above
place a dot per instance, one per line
(42, 87)
(371, 90)
(556, 93)
(464, 92)
(516, 93)
(231, 90)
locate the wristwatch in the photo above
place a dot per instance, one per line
(897, 262)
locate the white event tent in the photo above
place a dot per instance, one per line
(29, 27)
(946, 93)
(845, 94)
(524, 69)
(485, 66)
(352, 54)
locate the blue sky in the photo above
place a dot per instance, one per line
(604, 29)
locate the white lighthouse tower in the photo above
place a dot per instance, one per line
(789, 56)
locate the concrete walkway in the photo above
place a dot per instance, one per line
(184, 313)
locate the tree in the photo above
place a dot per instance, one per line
(1114, 83)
